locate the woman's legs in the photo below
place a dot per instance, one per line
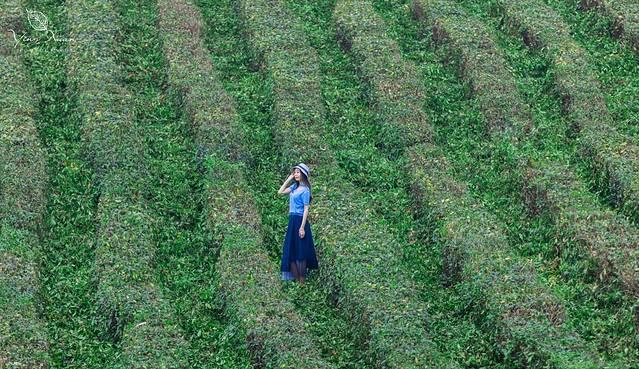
(298, 267)
(294, 270)
(301, 268)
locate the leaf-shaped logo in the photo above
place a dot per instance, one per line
(37, 20)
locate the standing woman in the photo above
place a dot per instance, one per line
(299, 250)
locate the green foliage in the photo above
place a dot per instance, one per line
(471, 49)
(23, 340)
(247, 278)
(492, 177)
(610, 154)
(129, 302)
(622, 17)
(185, 251)
(397, 98)
(355, 131)
(154, 167)
(360, 260)
(613, 62)
(67, 295)
(331, 331)
(546, 186)
(475, 249)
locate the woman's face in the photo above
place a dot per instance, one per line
(297, 174)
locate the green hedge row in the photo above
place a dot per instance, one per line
(23, 337)
(280, 47)
(357, 254)
(23, 178)
(547, 186)
(526, 319)
(555, 190)
(610, 239)
(521, 313)
(129, 302)
(195, 83)
(613, 157)
(623, 15)
(480, 64)
(405, 125)
(249, 280)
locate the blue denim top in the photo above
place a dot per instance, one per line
(299, 198)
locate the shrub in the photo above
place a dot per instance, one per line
(130, 302)
(612, 157)
(248, 279)
(357, 254)
(521, 313)
(623, 16)
(23, 341)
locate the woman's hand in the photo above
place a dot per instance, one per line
(302, 232)
(290, 177)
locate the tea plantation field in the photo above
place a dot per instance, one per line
(474, 168)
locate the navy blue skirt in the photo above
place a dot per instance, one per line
(300, 251)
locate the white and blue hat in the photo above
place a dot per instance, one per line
(303, 168)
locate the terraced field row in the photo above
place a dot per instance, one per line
(623, 15)
(473, 171)
(507, 280)
(23, 339)
(254, 297)
(129, 302)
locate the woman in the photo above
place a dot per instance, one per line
(299, 250)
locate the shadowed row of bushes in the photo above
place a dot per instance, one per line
(623, 15)
(23, 178)
(479, 64)
(519, 311)
(613, 60)
(130, 303)
(357, 255)
(548, 185)
(613, 157)
(248, 279)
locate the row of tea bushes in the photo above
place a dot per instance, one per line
(613, 157)
(130, 303)
(547, 185)
(623, 15)
(357, 255)
(518, 310)
(472, 49)
(23, 178)
(248, 279)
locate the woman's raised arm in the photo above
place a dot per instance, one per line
(284, 190)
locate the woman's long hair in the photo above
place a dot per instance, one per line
(307, 183)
